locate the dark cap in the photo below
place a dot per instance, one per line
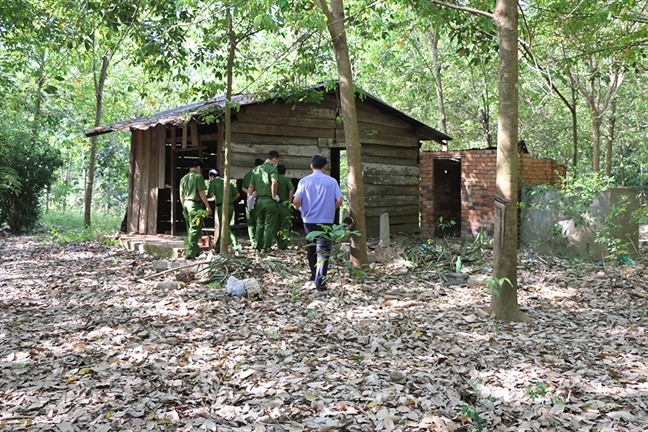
(195, 163)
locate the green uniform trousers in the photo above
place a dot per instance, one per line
(267, 214)
(193, 230)
(283, 227)
(250, 217)
(232, 237)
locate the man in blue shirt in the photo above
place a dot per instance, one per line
(318, 197)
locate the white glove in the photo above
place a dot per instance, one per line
(276, 198)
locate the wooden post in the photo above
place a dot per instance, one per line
(384, 229)
(173, 179)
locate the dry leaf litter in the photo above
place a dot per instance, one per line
(88, 343)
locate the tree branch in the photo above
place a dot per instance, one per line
(463, 9)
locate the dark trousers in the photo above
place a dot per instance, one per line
(318, 255)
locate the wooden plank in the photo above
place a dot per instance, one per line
(371, 189)
(391, 140)
(195, 139)
(393, 211)
(310, 111)
(367, 114)
(136, 150)
(391, 180)
(154, 158)
(253, 151)
(131, 176)
(145, 156)
(387, 169)
(395, 220)
(161, 144)
(238, 172)
(368, 129)
(381, 139)
(174, 137)
(290, 162)
(390, 152)
(391, 200)
(287, 131)
(185, 132)
(374, 232)
(271, 141)
(391, 160)
(293, 120)
(174, 187)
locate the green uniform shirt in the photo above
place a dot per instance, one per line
(246, 179)
(285, 186)
(262, 179)
(217, 186)
(191, 185)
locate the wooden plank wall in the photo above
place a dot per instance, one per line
(295, 131)
(390, 169)
(146, 178)
(389, 152)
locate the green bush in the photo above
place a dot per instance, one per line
(29, 170)
(68, 227)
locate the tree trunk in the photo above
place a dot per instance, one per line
(610, 138)
(99, 87)
(224, 223)
(505, 305)
(596, 139)
(335, 23)
(572, 110)
(39, 100)
(485, 109)
(598, 102)
(622, 164)
(436, 63)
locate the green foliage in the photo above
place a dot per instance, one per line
(492, 283)
(540, 389)
(69, 228)
(574, 199)
(33, 170)
(335, 234)
(445, 224)
(473, 414)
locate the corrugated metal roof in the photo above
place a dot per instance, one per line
(179, 116)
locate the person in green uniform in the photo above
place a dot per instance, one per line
(216, 189)
(265, 183)
(193, 198)
(250, 215)
(285, 190)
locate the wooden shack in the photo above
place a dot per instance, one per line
(163, 145)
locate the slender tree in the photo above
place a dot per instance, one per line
(504, 303)
(335, 23)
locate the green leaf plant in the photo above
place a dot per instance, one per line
(335, 234)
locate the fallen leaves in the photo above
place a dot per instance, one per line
(89, 342)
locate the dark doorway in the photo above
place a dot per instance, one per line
(338, 170)
(447, 197)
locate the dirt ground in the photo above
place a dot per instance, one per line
(87, 343)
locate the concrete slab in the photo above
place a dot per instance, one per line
(159, 245)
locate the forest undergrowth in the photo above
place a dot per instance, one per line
(91, 339)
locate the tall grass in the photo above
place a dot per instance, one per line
(68, 227)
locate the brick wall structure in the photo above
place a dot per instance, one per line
(460, 186)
